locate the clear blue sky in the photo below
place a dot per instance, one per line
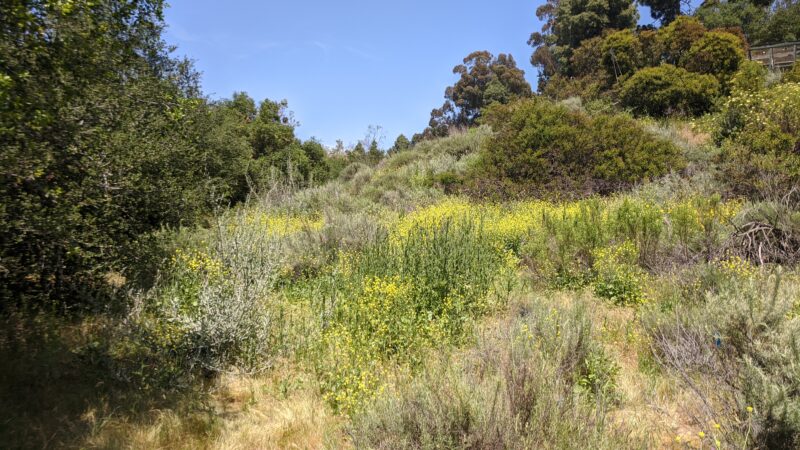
(344, 65)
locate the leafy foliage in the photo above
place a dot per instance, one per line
(666, 90)
(567, 23)
(541, 146)
(665, 11)
(89, 160)
(106, 139)
(763, 22)
(400, 144)
(484, 80)
(717, 53)
(760, 133)
(622, 53)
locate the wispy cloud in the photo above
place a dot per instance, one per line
(361, 53)
(321, 45)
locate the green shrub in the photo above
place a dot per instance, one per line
(541, 382)
(641, 223)
(542, 147)
(617, 275)
(679, 36)
(776, 108)
(589, 87)
(717, 53)
(214, 307)
(562, 251)
(621, 54)
(760, 136)
(652, 47)
(598, 376)
(583, 61)
(792, 76)
(458, 144)
(751, 77)
(401, 295)
(667, 90)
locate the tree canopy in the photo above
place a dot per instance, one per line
(483, 80)
(105, 138)
(567, 23)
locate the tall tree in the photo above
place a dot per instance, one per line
(762, 21)
(400, 144)
(483, 79)
(374, 154)
(98, 125)
(567, 23)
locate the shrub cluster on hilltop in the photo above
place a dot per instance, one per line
(548, 149)
(680, 68)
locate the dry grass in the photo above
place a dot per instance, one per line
(653, 408)
(691, 136)
(279, 411)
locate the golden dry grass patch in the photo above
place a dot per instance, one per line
(280, 411)
(653, 407)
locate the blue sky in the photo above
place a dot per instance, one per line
(345, 65)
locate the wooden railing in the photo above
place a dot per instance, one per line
(780, 56)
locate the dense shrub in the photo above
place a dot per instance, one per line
(652, 47)
(679, 36)
(618, 277)
(421, 286)
(106, 138)
(751, 77)
(589, 87)
(760, 133)
(666, 90)
(94, 141)
(621, 54)
(793, 75)
(211, 310)
(716, 53)
(583, 61)
(540, 146)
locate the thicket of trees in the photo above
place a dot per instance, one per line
(577, 36)
(595, 51)
(106, 137)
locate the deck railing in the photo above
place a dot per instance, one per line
(779, 56)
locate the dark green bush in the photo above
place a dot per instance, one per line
(99, 129)
(106, 138)
(717, 53)
(667, 90)
(622, 54)
(543, 147)
(679, 36)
